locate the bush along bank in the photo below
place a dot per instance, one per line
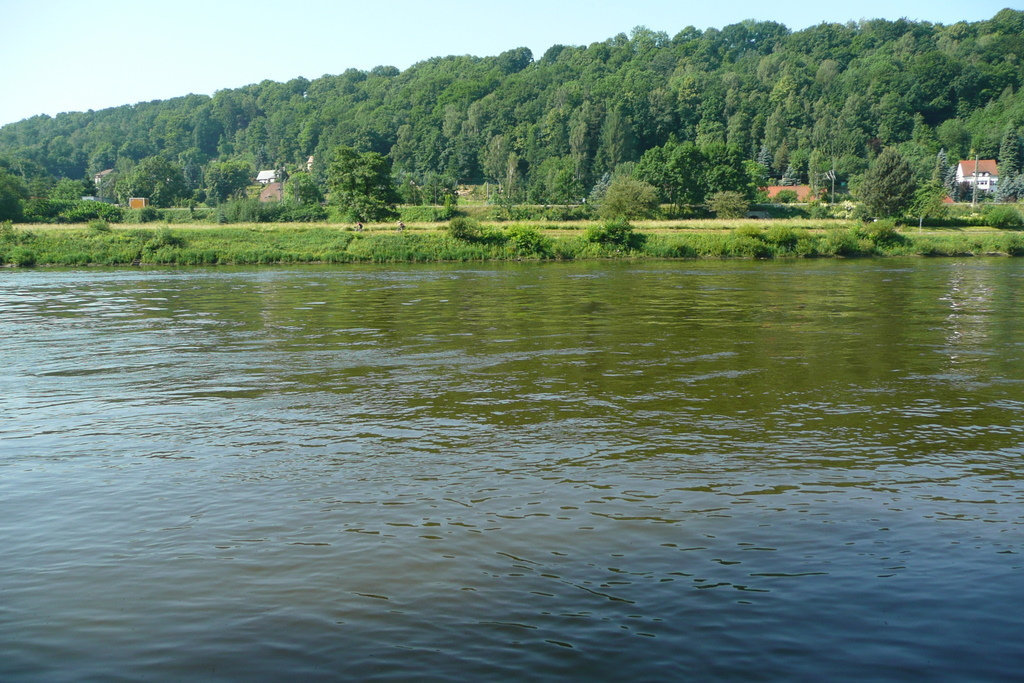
(467, 240)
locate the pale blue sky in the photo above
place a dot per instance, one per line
(70, 55)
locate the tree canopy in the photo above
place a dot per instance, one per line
(361, 185)
(828, 98)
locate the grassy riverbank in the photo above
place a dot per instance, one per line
(287, 243)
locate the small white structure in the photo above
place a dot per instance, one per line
(99, 177)
(267, 177)
(983, 172)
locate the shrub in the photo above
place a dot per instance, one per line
(819, 210)
(23, 258)
(165, 238)
(784, 237)
(751, 231)
(742, 245)
(786, 197)
(40, 210)
(465, 229)
(526, 240)
(98, 225)
(617, 232)
(1015, 246)
(146, 214)
(884, 234)
(841, 243)
(302, 213)
(807, 245)
(84, 211)
(728, 204)
(1004, 217)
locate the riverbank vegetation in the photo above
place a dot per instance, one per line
(99, 243)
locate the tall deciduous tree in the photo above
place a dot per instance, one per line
(303, 189)
(629, 198)
(888, 185)
(361, 185)
(154, 178)
(928, 202)
(227, 179)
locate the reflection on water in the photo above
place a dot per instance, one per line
(600, 470)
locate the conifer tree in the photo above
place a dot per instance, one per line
(888, 185)
(1009, 155)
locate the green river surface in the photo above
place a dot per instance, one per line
(711, 470)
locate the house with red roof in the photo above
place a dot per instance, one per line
(981, 172)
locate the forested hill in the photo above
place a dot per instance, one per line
(830, 96)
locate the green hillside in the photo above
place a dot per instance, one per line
(548, 128)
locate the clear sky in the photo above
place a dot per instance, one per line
(75, 55)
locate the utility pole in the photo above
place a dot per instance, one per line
(974, 193)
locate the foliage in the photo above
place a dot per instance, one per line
(786, 196)
(527, 240)
(302, 188)
(888, 186)
(425, 214)
(361, 185)
(465, 229)
(146, 214)
(884, 234)
(629, 198)
(1004, 217)
(252, 210)
(928, 202)
(728, 204)
(227, 179)
(12, 193)
(68, 190)
(614, 232)
(709, 105)
(153, 178)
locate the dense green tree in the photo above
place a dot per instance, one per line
(303, 189)
(68, 190)
(12, 195)
(928, 202)
(227, 179)
(887, 188)
(629, 198)
(361, 186)
(153, 178)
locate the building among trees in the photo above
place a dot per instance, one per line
(983, 172)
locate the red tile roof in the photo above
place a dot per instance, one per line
(984, 166)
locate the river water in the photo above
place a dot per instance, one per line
(602, 470)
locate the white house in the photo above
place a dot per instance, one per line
(267, 177)
(984, 172)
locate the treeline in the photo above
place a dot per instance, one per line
(801, 105)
